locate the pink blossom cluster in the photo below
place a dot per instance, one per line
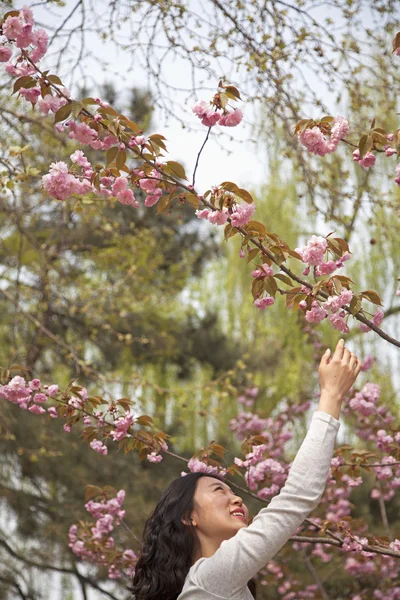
(272, 568)
(268, 472)
(335, 503)
(289, 590)
(367, 161)
(373, 420)
(196, 465)
(20, 31)
(32, 396)
(264, 302)
(239, 215)
(263, 470)
(210, 116)
(248, 396)
(315, 141)
(121, 426)
(95, 543)
(29, 395)
(274, 429)
(216, 217)
(367, 363)
(386, 567)
(334, 305)
(376, 320)
(155, 456)
(334, 506)
(313, 253)
(150, 186)
(47, 104)
(246, 423)
(262, 272)
(397, 179)
(99, 447)
(62, 183)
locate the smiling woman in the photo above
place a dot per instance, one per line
(197, 544)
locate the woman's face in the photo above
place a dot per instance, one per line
(218, 513)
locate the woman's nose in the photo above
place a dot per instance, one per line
(238, 500)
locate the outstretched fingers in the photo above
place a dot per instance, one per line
(339, 351)
(346, 356)
(353, 361)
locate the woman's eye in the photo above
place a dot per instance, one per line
(219, 488)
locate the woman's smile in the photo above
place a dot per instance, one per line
(239, 513)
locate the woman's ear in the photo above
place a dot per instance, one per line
(189, 522)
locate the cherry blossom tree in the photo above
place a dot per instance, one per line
(134, 163)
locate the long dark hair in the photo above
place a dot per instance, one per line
(169, 545)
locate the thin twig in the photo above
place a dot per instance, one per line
(198, 157)
(314, 575)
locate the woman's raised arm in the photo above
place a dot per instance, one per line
(241, 557)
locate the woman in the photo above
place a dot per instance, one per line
(197, 544)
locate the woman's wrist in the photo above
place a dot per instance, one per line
(330, 403)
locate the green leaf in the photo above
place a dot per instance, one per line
(63, 113)
(111, 154)
(252, 254)
(255, 226)
(230, 186)
(365, 144)
(177, 169)
(144, 420)
(302, 125)
(270, 286)
(355, 305)
(327, 120)
(107, 110)
(11, 13)
(257, 288)
(372, 297)
(120, 159)
(379, 137)
(87, 101)
(192, 199)
(229, 231)
(334, 246)
(24, 82)
(54, 79)
(224, 99)
(218, 450)
(18, 368)
(158, 140)
(344, 279)
(126, 403)
(134, 127)
(76, 108)
(232, 91)
(294, 254)
(343, 245)
(164, 203)
(91, 492)
(245, 195)
(283, 278)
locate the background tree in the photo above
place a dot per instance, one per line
(109, 315)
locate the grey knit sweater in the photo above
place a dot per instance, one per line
(225, 574)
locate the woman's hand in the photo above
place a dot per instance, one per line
(336, 377)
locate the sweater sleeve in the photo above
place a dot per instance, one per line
(238, 559)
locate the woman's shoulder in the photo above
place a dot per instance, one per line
(195, 588)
